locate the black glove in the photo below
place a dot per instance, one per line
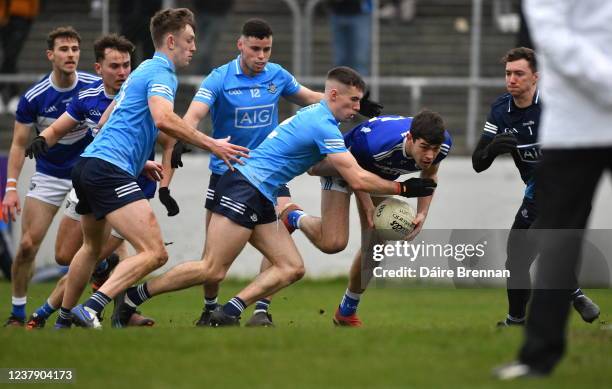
(37, 148)
(170, 203)
(369, 108)
(501, 144)
(179, 149)
(417, 187)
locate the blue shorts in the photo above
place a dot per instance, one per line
(283, 191)
(238, 200)
(103, 187)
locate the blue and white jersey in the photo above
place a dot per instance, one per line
(88, 108)
(379, 145)
(292, 148)
(244, 107)
(89, 105)
(505, 116)
(128, 137)
(40, 106)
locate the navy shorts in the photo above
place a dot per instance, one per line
(103, 187)
(526, 215)
(238, 200)
(283, 191)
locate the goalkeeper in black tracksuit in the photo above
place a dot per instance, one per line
(512, 127)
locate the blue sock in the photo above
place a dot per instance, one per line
(64, 318)
(349, 303)
(137, 295)
(577, 293)
(262, 305)
(97, 301)
(45, 310)
(210, 303)
(234, 307)
(19, 307)
(294, 218)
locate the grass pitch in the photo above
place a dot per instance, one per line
(413, 337)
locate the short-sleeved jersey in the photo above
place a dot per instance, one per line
(291, 148)
(88, 108)
(244, 107)
(40, 106)
(379, 145)
(128, 137)
(505, 116)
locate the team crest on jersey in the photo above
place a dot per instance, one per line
(272, 88)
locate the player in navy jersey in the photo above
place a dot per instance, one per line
(242, 97)
(112, 54)
(388, 146)
(512, 128)
(105, 176)
(38, 108)
(245, 199)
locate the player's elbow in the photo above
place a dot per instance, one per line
(358, 182)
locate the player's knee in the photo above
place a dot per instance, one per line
(160, 257)
(27, 249)
(294, 273)
(334, 245)
(62, 259)
(212, 275)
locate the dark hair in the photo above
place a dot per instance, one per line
(257, 28)
(521, 53)
(171, 20)
(62, 32)
(346, 76)
(429, 126)
(112, 41)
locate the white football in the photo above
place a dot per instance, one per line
(393, 219)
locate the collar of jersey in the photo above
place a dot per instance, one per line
(71, 87)
(238, 69)
(535, 101)
(161, 57)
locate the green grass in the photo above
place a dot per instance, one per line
(413, 337)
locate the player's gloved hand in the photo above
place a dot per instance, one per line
(417, 187)
(501, 144)
(37, 148)
(170, 203)
(179, 149)
(369, 108)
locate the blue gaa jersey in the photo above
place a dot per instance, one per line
(40, 106)
(291, 148)
(379, 145)
(88, 107)
(128, 137)
(505, 116)
(244, 107)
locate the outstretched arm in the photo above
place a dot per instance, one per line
(169, 122)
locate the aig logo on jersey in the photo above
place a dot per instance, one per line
(529, 153)
(254, 117)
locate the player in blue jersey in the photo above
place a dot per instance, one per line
(388, 146)
(245, 199)
(242, 97)
(105, 176)
(112, 54)
(512, 128)
(38, 108)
